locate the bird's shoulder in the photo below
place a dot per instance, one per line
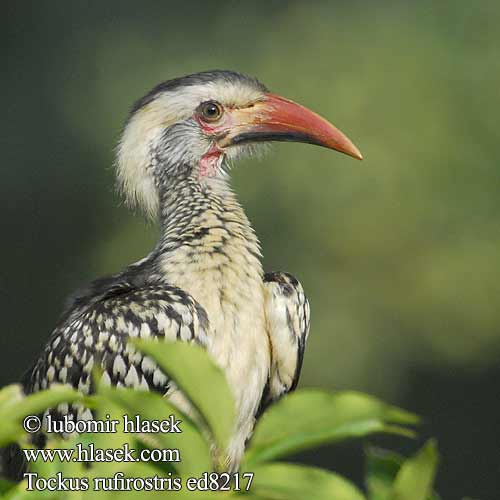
(137, 288)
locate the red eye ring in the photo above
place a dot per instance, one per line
(210, 111)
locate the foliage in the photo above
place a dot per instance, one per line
(303, 420)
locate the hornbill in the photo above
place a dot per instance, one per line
(203, 282)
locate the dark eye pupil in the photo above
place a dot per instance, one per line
(211, 110)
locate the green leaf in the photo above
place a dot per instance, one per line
(416, 476)
(14, 406)
(18, 405)
(282, 481)
(193, 447)
(382, 467)
(203, 383)
(310, 417)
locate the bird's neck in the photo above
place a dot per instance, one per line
(205, 235)
(192, 210)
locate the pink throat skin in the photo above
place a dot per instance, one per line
(210, 162)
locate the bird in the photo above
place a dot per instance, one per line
(203, 282)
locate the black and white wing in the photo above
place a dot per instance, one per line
(95, 330)
(287, 320)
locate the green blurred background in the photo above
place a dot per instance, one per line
(399, 254)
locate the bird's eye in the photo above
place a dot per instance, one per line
(210, 111)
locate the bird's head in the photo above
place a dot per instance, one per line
(194, 124)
